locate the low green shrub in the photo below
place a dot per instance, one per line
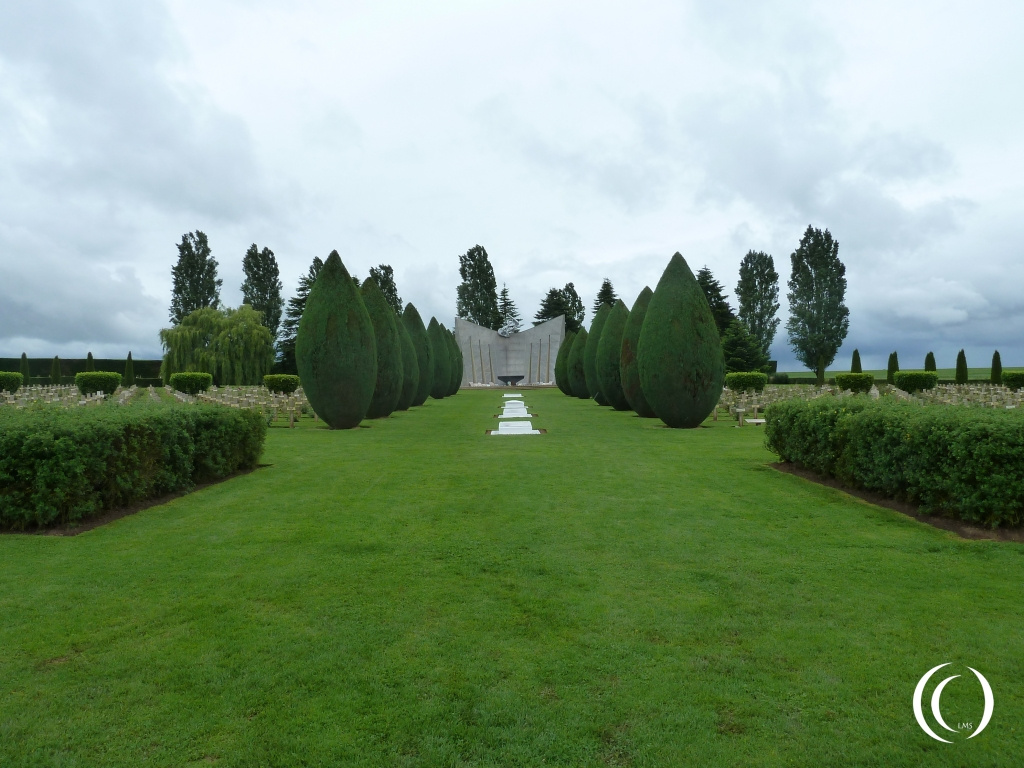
(281, 382)
(915, 381)
(61, 465)
(10, 381)
(780, 378)
(855, 382)
(1013, 379)
(97, 381)
(948, 459)
(191, 383)
(740, 382)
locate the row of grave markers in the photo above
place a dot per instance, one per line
(511, 419)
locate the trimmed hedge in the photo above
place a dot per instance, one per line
(855, 382)
(915, 381)
(61, 465)
(1013, 379)
(10, 382)
(281, 383)
(741, 382)
(97, 381)
(142, 383)
(192, 382)
(948, 459)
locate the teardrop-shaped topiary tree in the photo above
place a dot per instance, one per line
(680, 352)
(335, 349)
(590, 354)
(629, 374)
(90, 364)
(128, 380)
(855, 363)
(442, 361)
(577, 377)
(23, 368)
(410, 368)
(609, 350)
(388, 387)
(455, 380)
(562, 363)
(424, 356)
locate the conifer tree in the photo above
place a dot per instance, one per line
(129, 372)
(55, 372)
(741, 351)
(894, 365)
(293, 315)
(389, 375)
(855, 365)
(441, 355)
(758, 295)
(562, 301)
(196, 285)
(424, 355)
(90, 364)
(714, 291)
(562, 364)
(410, 368)
(819, 318)
(929, 361)
(629, 374)
(605, 295)
(590, 356)
(574, 364)
(997, 369)
(385, 277)
(507, 311)
(961, 368)
(261, 288)
(609, 352)
(24, 369)
(477, 295)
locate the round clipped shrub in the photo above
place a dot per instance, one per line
(410, 369)
(10, 382)
(281, 383)
(741, 382)
(424, 355)
(609, 352)
(574, 364)
(442, 375)
(915, 381)
(190, 382)
(562, 363)
(106, 382)
(680, 352)
(335, 349)
(780, 378)
(1013, 379)
(629, 374)
(455, 381)
(388, 386)
(590, 354)
(855, 382)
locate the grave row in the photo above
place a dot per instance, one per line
(511, 419)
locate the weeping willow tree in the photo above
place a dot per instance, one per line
(232, 345)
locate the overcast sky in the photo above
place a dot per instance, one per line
(573, 140)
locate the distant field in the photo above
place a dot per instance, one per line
(974, 374)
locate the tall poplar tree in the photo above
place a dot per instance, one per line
(715, 293)
(261, 288)
(758, 295)
(819, 319)
(292, 316)
(478, 293)
(606, 295)
(196, 284)
(384, 276)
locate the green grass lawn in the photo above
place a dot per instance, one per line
(416, 593)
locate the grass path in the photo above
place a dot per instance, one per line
(416, 593)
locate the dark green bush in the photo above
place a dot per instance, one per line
(855, 382)
(894, 365)
(335, 349)
(629, 374)
(956, 460)
(577, 376)
(424, 357)
(590, 354)
(442, 373)
(10, 382)
(458, 365)
(962, 373)
(61, 465)
(929, 361)
(281, 383)
(192, 382)
(23, 368)
(55, 371)
(915, 381)
(562, 363)
(388, 387)
(97, 381)
(410, 368)
(609, 354)
(1013, 379)
(741, 382)
(996, 374)
(780, 378)
(855, 363)
(679, 353)
(129, 371)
